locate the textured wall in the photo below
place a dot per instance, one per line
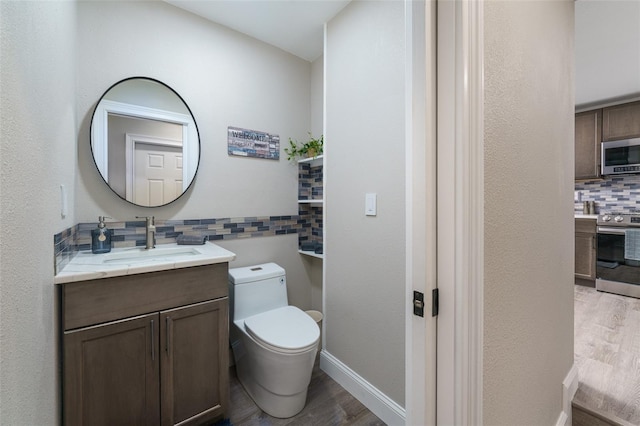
(227, 79)
(365, 277)
(37, 155)
(57, 60)
(529, 241)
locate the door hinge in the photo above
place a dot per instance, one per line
(435, 302)
(418, 303)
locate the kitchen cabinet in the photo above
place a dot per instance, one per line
(146, 349)
(621, 121)
(585, 251)
(587, 144)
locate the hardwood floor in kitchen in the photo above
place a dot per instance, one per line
(607, 354)
(328, 403)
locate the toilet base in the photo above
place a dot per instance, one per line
(280, 406)
(277, 383)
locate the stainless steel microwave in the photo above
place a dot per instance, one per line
(621, 157)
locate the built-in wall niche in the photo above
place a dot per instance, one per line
(145, 142)
(311, 206)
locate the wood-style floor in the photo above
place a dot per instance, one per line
(328, 403)
(607, 355)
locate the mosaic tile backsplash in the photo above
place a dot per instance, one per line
(311, 220)
(310, 186)
(133, 233)
(613, 194)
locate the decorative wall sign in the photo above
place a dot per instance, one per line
(252, 143)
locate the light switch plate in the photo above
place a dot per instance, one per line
(370, 204)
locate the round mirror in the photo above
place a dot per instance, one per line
(145, 142)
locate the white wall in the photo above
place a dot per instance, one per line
(317, 96)
(312, 264)
(365, 256)
(528, 193)
(38, 153)
(227, 79)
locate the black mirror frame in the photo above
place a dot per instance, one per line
(194, 122)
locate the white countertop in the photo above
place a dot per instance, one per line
(125, 261)
(585, 216)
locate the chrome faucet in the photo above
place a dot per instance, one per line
(151, 231)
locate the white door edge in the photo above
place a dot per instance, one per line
(460, 206)
(420, 107)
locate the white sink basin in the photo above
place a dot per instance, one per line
(137, 260)
(143, 255)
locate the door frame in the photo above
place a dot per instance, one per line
(460, 211)
(445, 243)
(100, 133)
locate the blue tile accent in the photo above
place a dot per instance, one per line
(614, 194)
(78, 238)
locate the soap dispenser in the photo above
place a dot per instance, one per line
(101, 237)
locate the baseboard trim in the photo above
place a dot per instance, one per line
(380, 404)
(569, 388)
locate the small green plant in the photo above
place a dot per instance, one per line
(312, 148)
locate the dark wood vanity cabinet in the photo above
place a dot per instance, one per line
(111, 375)
(194, 363)
(164, 363)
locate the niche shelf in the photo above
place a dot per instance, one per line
(311, 202)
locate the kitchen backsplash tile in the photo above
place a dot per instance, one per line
(133, 233)
(612, 194)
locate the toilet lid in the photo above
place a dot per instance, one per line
(286, 328)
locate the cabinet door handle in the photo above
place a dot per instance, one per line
(168, 334)
(593, 242)
(153, 349)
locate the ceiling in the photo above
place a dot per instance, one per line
(607, 51)
(607, 37)
(295, 26)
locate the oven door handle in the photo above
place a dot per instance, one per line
(614, 231)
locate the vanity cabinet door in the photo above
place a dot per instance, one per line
(111, 373)
(195, 364)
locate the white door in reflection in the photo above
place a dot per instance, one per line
(156, 173)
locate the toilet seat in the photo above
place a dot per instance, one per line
(285, 330)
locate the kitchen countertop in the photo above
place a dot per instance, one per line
(585, 216)
(136, 260)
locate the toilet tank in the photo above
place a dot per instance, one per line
(256, 289)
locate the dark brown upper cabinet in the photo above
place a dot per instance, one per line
(587, 144)
(621, 121)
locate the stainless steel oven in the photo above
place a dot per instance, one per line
(614, 272)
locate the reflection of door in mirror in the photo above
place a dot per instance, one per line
(143, 109)
(157, 174)
(124, 132)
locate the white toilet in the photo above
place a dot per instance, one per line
(274, 345)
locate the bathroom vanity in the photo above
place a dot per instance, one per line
(147, 343)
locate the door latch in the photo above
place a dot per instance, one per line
(435, 302)
(418, 303)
